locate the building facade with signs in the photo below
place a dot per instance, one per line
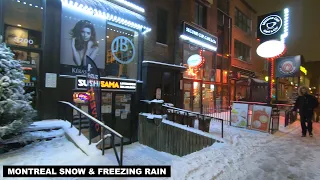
(182, 50)
(245, 60)
(52, 38)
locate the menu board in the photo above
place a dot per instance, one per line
(239, 115)
(261, 116)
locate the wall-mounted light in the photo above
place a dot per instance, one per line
(133, 6)
(104, 15)
(19, 25)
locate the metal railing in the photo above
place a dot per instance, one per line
(112, 133)
(221, 113)
(185, 114)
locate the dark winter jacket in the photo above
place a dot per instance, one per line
(306, 104)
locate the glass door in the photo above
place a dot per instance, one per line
(197, 94)
(122, 114)
(187, 97)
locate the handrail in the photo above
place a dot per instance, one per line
(112, 132)
(196, 113)
(92, 118)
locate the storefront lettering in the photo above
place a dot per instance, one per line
(110, 84)
(78, 71)
(82, 83)
(22, 40)
(121, 43)
(200, 35)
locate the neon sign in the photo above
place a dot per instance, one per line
(304, 70)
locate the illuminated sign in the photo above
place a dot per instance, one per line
(108, 84)
(194, 60)
(199, 34)
(121, 44)
(273, 26)
(270, 25)
(304, 70)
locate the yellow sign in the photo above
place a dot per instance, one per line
(27, 78)
(110, 84)
(304, 70)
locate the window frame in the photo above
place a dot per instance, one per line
(164, 30)
(242, 49)
(242, 21)
(198, 17)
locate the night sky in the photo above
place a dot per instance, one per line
(304, 24)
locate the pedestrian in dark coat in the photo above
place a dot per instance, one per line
(306, 104)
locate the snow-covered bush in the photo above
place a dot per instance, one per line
(16, 111)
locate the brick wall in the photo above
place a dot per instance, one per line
(257, 63)
(178, 11)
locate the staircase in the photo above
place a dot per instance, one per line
(30, 136)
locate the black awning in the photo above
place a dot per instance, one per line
(243, 72)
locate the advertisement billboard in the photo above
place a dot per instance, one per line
(239, 115)
(261, 116)
(81, 35)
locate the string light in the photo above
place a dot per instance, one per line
(105, 15)
(133, 6)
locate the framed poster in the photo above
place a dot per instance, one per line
(261, 116)
(239, 115)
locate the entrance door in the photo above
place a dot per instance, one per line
(116, 112)
(122, 103)
(188, 95)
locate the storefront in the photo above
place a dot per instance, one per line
(202, 83)
(52, 38)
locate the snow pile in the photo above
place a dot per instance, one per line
(155, 101)
(61, 151)
(210, 162)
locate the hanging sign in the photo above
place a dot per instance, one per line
(194, 60)
(288, 66)
(270, 24)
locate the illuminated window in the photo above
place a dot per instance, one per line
(122, 52)
(242, 51)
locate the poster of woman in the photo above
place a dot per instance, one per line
(81, 35)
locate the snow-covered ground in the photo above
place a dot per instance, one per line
(245, 154)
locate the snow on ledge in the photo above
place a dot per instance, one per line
(165, 64)
(158, 101)
(184, 127)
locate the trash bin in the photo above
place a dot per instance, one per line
(204, 124)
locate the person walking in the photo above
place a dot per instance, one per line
(306, 104)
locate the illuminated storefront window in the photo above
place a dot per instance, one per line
(22, 32)
(122, 52)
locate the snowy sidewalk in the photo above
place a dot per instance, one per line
(287, 157)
